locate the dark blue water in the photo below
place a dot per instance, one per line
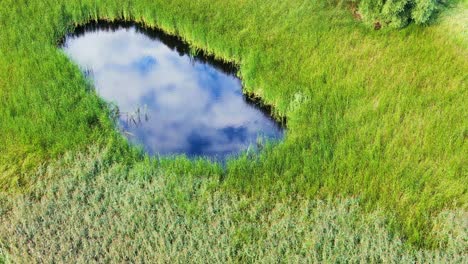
(169, 102)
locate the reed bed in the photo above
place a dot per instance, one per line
(105, 212)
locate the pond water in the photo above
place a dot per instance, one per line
(168, 101)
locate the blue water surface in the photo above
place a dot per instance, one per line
(169, 102)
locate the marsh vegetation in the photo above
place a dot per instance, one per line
(376, 131)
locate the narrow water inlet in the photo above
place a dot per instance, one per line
(166, 100)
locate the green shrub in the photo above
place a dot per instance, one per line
(423, 10)
(398, 13)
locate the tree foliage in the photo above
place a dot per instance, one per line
(398, 13)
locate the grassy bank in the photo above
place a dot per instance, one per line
(377, 114)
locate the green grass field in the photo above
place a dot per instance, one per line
(373, 166)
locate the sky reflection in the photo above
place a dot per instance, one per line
(186, 105)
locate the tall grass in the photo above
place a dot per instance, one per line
(377, 114)
(105, 212)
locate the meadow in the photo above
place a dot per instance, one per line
(105, 212)
(373, 166)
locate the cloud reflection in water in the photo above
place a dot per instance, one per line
(192, 107)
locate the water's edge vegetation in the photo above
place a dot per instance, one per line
(376, 115)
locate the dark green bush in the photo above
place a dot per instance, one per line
(398, 13)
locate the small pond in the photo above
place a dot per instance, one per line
(168, 101)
